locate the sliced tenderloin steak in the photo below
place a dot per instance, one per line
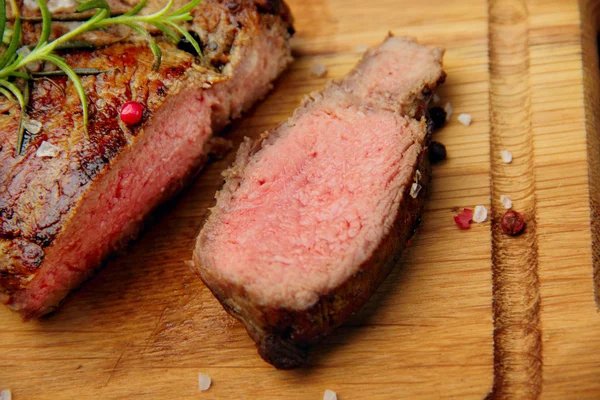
(314, 215)
(62, 214)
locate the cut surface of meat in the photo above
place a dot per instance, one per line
(61, 216)
(313, 216)
(306, 212)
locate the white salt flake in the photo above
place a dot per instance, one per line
(329, 395)
(204, 382)
(417, 176)
(318, 70)
(5, 394)
(506, 156)
(448, 109)
(480, 214)
(32, 126)
(464, 119)
(506, 202)
(436, 99)
(47, 150)
(414, 190)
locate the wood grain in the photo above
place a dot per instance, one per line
(517, 335)
(590, 12)
(463, 313)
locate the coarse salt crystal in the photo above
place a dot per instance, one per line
(417, 176)
(436, 99)
(329, 395)
(448, 109)
(204, 382)
(414, 190)
(464, 119)
(317, 69)
(5, 394)
(506, 156)
(506, 202)
(47, 150)
(480, 214)
(32, 126)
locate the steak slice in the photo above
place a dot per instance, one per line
(314, 215)
(61, 216)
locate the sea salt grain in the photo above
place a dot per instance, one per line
(480, 214)
(414, 190)
(417, 176)
(329, 395)
(318, 70)
(204, 382)
(506, 202)
(436, 99)
(47, 150)
(506, 156)
(5, 395)
(448, 109)
(32, 126)
(464, 119)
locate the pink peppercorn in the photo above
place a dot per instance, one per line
(132, 112)
(463, 220)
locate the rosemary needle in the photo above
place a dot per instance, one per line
(13, 62)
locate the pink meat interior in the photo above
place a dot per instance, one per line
(171, 147)
(314, 204)
(395, 69)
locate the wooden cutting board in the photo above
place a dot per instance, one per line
(466, 314)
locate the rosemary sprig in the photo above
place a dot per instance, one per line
(13, 63)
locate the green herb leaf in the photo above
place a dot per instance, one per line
(168, 32)
(2, 17)
(20, 74)
(76, 44)
(61, 63)
(46, 23)
(78, 71)
(136, 9)
(157, 54)
(187, 8)
(19, 96)
(11, 51)
(7, 94)
(93, 4)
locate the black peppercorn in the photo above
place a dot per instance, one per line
(438, 116)
(437, 152)
(185, 45)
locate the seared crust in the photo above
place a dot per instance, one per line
(39, 196)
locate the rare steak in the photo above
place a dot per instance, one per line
(70, 199)
(314, 215)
